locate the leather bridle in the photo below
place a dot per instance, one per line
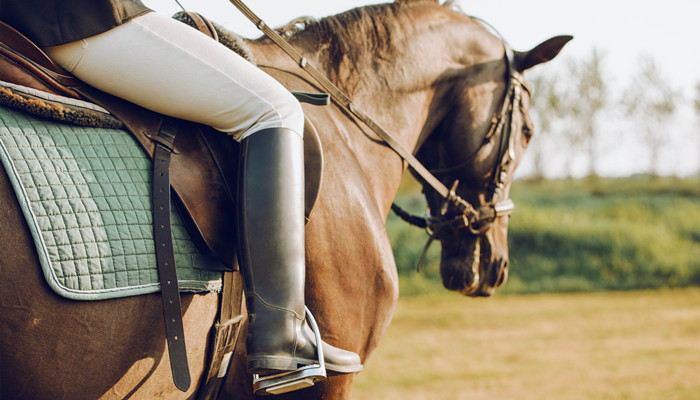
(479, 220)
(464, 215)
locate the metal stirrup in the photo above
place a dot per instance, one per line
(302, 378)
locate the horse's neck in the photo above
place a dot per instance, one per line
(396, 89)
(380, 93)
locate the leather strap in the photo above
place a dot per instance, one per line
(165, 257)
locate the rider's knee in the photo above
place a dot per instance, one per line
(284, 111)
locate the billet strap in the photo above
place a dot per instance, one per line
(165, 256)
(343, 100)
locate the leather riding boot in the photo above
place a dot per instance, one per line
(272, 256)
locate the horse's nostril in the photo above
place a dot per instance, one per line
(498, 273)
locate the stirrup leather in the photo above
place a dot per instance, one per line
(302, 378)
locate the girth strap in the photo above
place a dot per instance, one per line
(165, 257)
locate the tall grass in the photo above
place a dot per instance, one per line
(586, 235)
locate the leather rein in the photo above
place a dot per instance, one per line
(476, 220)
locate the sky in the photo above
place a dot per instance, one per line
(622, 31)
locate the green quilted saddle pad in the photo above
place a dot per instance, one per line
(85, 193)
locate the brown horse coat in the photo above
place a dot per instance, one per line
(424, 72)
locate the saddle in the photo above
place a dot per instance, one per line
(206, 158)
(202, 172)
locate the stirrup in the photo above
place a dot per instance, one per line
(302, 378)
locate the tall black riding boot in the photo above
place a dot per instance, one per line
(271, 254)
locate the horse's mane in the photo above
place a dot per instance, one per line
(369, 34)
(300, 24)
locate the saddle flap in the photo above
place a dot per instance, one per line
(225, 153)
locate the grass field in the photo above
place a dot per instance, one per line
(609, 345)
(582, 235)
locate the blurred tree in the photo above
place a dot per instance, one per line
(585, 100)
(651, 103)
(547, 109)
(697, 112)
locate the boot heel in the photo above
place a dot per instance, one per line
(294, 380)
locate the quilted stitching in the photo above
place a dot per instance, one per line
(86, 193)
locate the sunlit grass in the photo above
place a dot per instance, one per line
(617, 345)
(617, 234)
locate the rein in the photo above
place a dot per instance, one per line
(476, 220)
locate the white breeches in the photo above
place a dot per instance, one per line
(168, 67)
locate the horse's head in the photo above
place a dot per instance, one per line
(475, 140)
(456, 91)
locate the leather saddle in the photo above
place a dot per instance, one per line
(204, 165)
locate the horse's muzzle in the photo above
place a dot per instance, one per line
(478, 279)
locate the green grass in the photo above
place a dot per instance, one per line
(582, 236)
(640, 345)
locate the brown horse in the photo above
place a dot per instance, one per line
(434, 77)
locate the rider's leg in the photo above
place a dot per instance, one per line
(271, 226)
(168, 67)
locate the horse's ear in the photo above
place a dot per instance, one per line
(543, 52)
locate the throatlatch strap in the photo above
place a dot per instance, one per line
(165, 257)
